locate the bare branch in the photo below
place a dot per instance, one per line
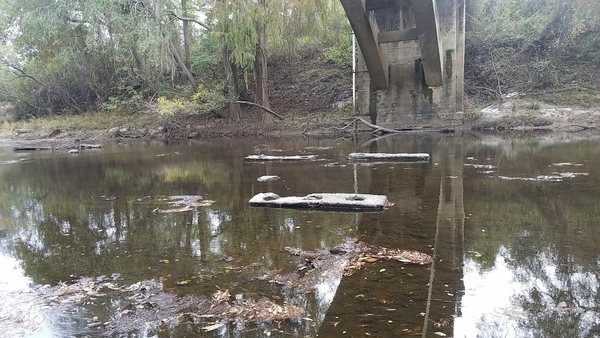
(262, 107)
(20, 72)
(182, 18)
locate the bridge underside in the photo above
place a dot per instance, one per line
(411, 65)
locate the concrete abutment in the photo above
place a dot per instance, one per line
(415, 75)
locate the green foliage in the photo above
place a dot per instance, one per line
(207, 99)
(72, 55)
(529, 45)
(171, 107)
(112, 103)
(473, 114)
(533, 105)
(576, 97)
(494, 22)
(318, 25)
(341, 52)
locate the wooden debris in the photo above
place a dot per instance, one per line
(375, 129)
(342, 260)
(146, 302)
(374, 254)
(175, 204)
(31, 148)
(60, 147)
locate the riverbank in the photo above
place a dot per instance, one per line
(515, 115)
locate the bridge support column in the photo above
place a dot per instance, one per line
(423, 42)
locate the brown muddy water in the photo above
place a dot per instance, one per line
(513, 226)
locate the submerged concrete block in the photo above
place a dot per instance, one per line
(322, 201)
(390, 157)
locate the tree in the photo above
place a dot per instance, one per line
(244, 25)
(86, 52)
(528, 45)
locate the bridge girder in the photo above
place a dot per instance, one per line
(362, 19)
(366, 31)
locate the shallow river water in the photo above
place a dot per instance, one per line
(513, 226)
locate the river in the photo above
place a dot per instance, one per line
(512, 225)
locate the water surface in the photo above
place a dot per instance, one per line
(511, 223)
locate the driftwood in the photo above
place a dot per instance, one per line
(261, 107)
(582, 128)
(31, 148)
(61, 147)
(383, 130)
(376, 128)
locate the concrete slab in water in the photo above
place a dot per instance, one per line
(262, 157)
(322, 201)
(388, 157)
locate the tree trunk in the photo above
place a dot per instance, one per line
(186, 36)
(139, 62)
(235, 112)
(261, 73)
(182, 65)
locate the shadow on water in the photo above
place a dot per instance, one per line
(510, 223)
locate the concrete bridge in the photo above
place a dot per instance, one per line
(411, 66)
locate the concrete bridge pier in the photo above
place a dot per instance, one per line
(411, 66)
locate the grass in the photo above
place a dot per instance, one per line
(533, 105)
(79, 122)
(472, 114)
(577, 97)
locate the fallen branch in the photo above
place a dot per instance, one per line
(262, 107)
(582, 127)
(383, 130)
(375, 127)
(31, 148)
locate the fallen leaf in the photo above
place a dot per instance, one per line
(166, 261)
(213, 327)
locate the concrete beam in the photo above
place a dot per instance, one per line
(427, 23)
(398, 36)
(373, 5)
(367, 34)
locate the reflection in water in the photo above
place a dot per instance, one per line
(521, 262)
(21, 313)
(528, 301)
(532, 254)
(487, 310)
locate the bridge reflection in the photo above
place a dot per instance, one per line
(418, 300)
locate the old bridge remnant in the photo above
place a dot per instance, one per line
(411, 65)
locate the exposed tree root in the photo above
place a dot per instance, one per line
(354, 121)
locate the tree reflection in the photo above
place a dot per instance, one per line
(538, 238)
